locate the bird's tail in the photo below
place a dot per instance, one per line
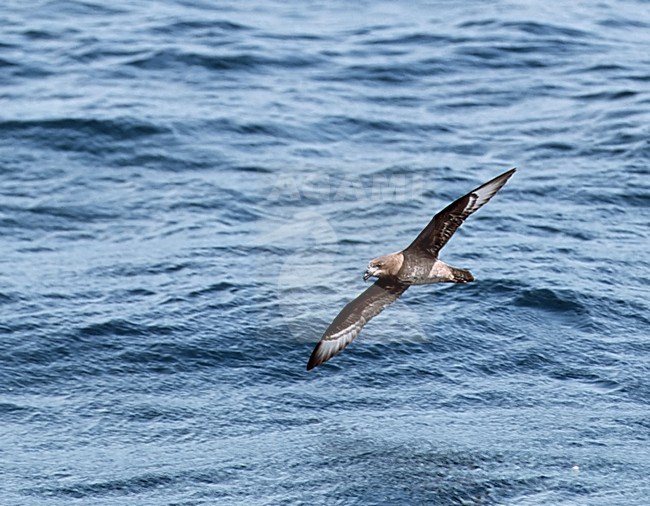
(461, 275)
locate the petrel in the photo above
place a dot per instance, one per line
(418, 264)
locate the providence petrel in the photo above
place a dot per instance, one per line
(418, 264)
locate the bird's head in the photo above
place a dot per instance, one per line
(383, 266)
(375, 269)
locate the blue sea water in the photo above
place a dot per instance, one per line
(190, 192)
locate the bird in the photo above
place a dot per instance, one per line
(418, 264)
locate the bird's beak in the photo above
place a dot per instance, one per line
(366, 275)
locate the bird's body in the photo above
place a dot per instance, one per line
(422, 269)
(416, 265)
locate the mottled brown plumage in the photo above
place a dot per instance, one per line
(417, 264)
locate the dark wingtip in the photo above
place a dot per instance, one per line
(506, 175)
(313, 360)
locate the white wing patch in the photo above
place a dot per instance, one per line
(483, 194)
(331, 345)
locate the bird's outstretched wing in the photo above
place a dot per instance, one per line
(443, 225)
(349, 322)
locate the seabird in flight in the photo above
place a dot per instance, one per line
(416, 265)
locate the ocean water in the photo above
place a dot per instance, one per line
(190, 192)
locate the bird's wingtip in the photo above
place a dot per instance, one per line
(314, 360)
